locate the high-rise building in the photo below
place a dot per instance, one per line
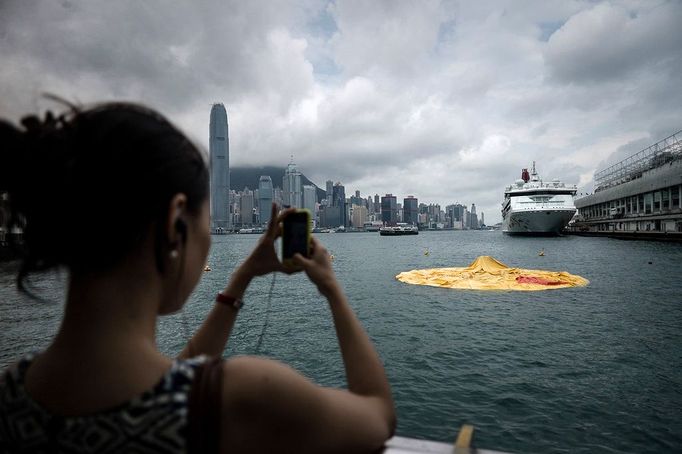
(410, 210)
(277, 196)
(473, 219)
(291, 186)
(310, 198)
(265, 196)
(246, 207)
(359, 216)
(330, 187)
(339, 200)
(219, 163)
(377, 204)
(389, 209)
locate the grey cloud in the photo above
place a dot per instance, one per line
(609, 41)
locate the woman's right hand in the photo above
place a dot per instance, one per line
(318, 268)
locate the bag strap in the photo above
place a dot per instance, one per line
(204, 408)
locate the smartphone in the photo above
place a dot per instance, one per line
(295, 236)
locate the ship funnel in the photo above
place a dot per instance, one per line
(525, 176)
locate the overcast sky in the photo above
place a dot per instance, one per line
(444, 100)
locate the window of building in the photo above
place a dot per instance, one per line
(665, 199)
(675, 197)
(648, 201)
(657, 201)
(640, 203)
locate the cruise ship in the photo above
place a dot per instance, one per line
(534, 207)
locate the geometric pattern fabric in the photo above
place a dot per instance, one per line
(153, 422)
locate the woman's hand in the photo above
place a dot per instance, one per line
(263, 259)
(318, 268)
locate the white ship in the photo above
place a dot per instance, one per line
(534, 207)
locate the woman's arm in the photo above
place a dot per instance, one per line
(211, 337)
(268, 406)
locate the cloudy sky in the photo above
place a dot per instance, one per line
(444, 100)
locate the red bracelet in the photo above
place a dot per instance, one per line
(234, 303)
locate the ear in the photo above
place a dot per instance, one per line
(176, 219)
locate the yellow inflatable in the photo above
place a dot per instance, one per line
(486, 273)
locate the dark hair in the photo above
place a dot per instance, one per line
(86, 186)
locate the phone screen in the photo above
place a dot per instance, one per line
(295, 235)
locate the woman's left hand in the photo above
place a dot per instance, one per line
(263, 259)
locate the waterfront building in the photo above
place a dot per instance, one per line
(642, 193)
(389, 209)
(310, 198)
(219, 163)
(331, 216)
(434, 213)
(473, 218)
(330, 188)
(410, 210)
(265, 197)
(291, 186)
(377, 204)
(246, 201)
(358, 216)
(339, 200)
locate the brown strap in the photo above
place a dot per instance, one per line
(204, 408)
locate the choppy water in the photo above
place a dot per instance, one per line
(596, 369)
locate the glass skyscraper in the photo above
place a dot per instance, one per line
(265, 198)
(219, 162)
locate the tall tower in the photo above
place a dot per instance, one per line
(291, 186)
(219, 152)
(265, 197)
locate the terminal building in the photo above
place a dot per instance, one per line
(639, 194)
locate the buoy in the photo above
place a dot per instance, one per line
(426, 252)
(331, 257)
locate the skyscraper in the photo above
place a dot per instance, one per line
(330, 186)
(291, 186)
(246, 207)
(309, 198)
(389, 209)
(410, 210)
(339, 200)
(473, 220)
(265, 198)
(219, 156)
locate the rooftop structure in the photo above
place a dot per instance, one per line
(666, 150)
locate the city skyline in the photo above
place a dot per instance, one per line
(448, 99)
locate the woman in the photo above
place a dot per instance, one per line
(118, 196)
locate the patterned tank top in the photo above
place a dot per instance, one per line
(153, 422)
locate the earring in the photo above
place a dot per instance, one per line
(173, 254)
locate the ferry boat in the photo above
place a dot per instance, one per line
(534, 207)
(399, 229)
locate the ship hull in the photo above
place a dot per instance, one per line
(536, 222)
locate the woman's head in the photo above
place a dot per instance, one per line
(91, 186)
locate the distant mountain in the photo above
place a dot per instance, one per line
(241, 177)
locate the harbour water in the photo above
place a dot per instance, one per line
(595, 369)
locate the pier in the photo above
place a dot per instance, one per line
(637, 198)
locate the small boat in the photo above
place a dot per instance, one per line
(207, 268)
